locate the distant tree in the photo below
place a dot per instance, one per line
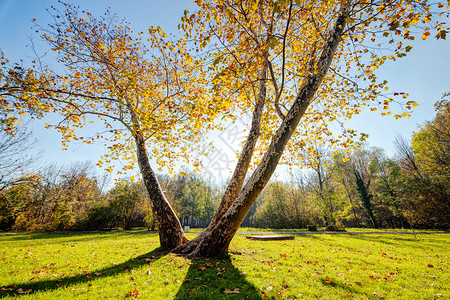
(125, 201)
(56, 198)
(344, 177)
(387, 190)
(365, 196)
(199, 199)
(285, 205)
(427, 185)
(431, 144)
(322, 183)
(17, 156)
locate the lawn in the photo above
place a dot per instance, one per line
(126, 265)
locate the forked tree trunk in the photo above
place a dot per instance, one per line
(170, 231)
(216, 239)
(240, 171)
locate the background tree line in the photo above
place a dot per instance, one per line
(362, 188)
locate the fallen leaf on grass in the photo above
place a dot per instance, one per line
(8, 288)
(192, 289)
(328, 280)
(97, 273)
(377, 295)
(205, 266)
(235, 291)
(430, 266)
(149, 272)
(358, 283)
(21, 291)
(133, 294)
(270, 287)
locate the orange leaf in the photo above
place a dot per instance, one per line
(425, 35)
(134, 293)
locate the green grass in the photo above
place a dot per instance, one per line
(111, 265)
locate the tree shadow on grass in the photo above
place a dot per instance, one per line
(216, 278)
(53, 284)
(74, 236)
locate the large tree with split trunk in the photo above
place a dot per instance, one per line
(296, 69)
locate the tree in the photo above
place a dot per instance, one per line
(198, 200)
(365, 196)
(284, 205)
(142, 97)
(431, 143)
(288, 48)
(125, 199)
(56, 198)
(15, 158)
(321, 184)
(426, 184)
(272, 59)
(344, 177)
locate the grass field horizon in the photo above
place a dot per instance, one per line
(124, 264)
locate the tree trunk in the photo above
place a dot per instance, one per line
(216, 239)
(170, 231)
(240, 171)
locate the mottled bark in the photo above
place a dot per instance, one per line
(216, 240)
(170, 231)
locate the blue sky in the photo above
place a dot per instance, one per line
(424, 74)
